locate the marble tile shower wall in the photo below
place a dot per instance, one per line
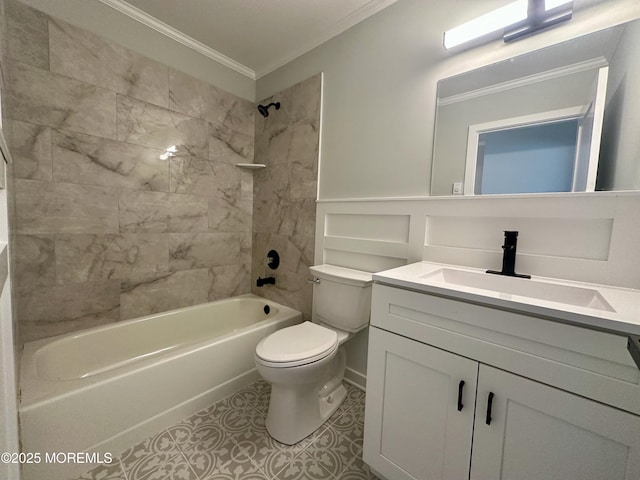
(285, 192)
(106, 230)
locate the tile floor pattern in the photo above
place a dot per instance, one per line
(229, 441)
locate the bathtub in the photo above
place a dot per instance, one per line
(107, 388)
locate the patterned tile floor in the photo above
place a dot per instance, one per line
(229, 441)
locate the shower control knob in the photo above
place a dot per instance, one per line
(273, 259)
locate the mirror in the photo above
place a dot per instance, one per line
(560, 119)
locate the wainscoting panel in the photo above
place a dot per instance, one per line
(361, 261)
(391, 228)
(591, 237)
(537, 236)
(373, 238)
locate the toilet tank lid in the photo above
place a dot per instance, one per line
(342, 274)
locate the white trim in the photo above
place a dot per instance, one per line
(355, 378)
(362, 245)
(161, 27)
(523, 81)
(320, 132)
(503, 124)
(534, 118)
(9, 432)
(462, 198)
(373, 199)
(471, 162)
(598, 119)
(364, 12)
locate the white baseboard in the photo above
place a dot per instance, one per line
(355, 378)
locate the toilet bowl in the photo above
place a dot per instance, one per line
(305, 363)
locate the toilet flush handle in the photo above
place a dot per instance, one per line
(315, 280)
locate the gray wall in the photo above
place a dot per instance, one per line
(106, 230)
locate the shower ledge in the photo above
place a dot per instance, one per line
(251, 166)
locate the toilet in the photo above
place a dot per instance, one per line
(305, 363)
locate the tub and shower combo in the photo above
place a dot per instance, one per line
(108, 388)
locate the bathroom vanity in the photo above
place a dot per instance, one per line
(486, 377)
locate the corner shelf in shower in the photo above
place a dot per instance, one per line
(251, 166)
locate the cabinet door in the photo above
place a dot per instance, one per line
(413, 427)
(537, 432)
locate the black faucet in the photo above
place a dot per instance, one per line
(265, 281)
(509, 256)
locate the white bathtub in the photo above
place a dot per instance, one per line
(107, 388)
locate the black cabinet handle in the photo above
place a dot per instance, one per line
(460, 387)
(489, 404)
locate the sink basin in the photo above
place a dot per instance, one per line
(589, 305)
(506, 287)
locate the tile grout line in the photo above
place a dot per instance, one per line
(124, 472)
(182, 454)
(188, 463)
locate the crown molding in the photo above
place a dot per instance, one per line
(364, 12)
(161, 27)
(523, 81)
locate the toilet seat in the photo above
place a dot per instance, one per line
(297, 345)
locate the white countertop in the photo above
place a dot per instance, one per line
(611, 309)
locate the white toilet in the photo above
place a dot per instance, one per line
(305, 363)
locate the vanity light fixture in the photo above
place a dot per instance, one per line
(170, 152)
(542, 14)
(515, 20)
(486, 24)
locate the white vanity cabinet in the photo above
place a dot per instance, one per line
(414, 428)
(542, 377)
(539, 432)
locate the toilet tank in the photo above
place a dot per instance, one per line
(341, 297)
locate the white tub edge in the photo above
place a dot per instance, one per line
(118, 444)
(158, 423)
(144, 427)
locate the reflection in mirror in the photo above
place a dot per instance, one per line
(560, 119)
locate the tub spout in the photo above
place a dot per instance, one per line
(265, 281)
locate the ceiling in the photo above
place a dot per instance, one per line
(252, 36)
